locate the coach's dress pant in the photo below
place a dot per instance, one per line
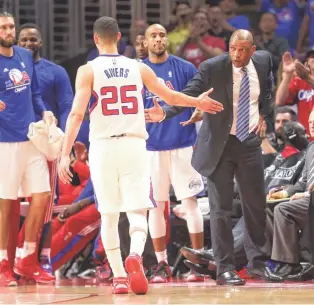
(243, 161)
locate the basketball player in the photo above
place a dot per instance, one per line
(170, 154)
(118, 158)
(56, 91)
(22, 164)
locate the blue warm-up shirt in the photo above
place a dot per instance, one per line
(175, 72)
(55, 89)
(20, 92)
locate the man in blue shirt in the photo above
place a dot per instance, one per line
(171, 146)
(22, 164)
(56, 91)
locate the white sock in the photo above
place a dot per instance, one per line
(46, 252)
(162, 256)
(3, 255)
(138, 240)
(28, 249)
(115, 262)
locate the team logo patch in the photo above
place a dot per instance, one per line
(18, 80)
(195, 184)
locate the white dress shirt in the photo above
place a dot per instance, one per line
(254, 94)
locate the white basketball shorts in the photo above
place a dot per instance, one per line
(23, 168)
(173, 167)
(120, 174)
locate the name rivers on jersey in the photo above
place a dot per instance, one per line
(117, 72)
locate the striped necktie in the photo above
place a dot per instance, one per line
(311, 176)
(243, 117)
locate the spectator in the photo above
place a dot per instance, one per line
(294, 90)
(307, 27)
(200, 45)
(268, 41)
(290, 217)
(235, 21)
(272, 142)
(219, 27)
(289, 14)
(176, 37)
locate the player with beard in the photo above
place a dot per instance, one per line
(170, 147)
(56, 91)
(22, 164)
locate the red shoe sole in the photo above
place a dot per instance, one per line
(138, 280)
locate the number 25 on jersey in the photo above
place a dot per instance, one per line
(129, 104)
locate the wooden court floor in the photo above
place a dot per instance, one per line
(80, 291)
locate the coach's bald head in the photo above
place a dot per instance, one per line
(241, 48)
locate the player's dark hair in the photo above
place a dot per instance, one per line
(28, 26)
(106, 28)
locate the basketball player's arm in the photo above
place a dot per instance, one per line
(175, 98)
(38, 103)
(83, 87)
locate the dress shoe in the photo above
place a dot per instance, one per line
(264, 273)
(203, 257)
(201, 269)
(285, 269)
(229, 278)
(306, 274)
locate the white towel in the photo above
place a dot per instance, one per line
(48, 140)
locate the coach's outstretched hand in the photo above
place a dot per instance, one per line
(64, 170)
(209, 105)
(205, 103)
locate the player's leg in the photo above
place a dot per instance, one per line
(159, 167)
(46, 236)
(70, 238)
(134, 263)
(104, 160)
(135, 192)
(35, 183)
(187, 183)
(10, 179)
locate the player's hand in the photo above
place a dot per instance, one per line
(207, 104)
(49, 118)
(71, 210)
(297, 196)
(154, 114)
(64, 170)
(196, 117)
(2, 106)
(302, 71)
(288, 65)
(277, 195)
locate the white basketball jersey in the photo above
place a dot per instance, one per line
(116, 106)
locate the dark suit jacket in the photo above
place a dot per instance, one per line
(301, 185)
(217, 73)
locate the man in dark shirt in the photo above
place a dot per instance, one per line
(218, 24)
(268, 41)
